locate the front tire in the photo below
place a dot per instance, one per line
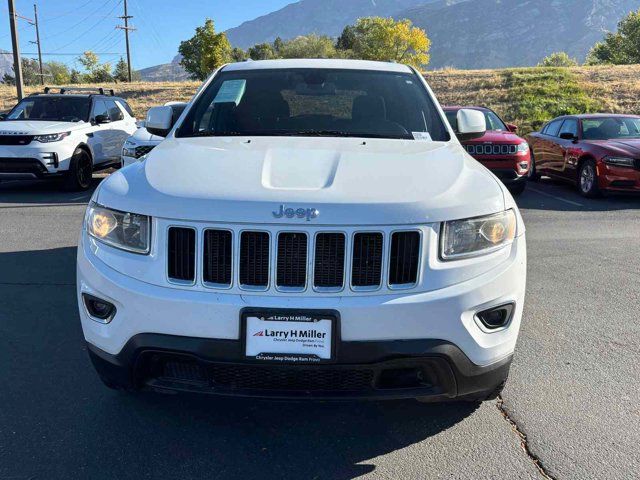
(588, 179)
(80, 173)
(534, 176)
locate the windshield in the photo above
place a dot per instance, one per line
(606, 128)
(493, 121)
(315, 102)
(64, 109)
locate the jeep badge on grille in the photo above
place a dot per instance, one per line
(308, 213)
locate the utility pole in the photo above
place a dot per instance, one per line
(17, 62)
(35, 16)
(126, 29)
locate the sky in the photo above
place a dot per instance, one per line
(70, 27)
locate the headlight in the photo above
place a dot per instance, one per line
(477, 236)
(51, 137)
(129, 149)
(620, 161)
(523, 147)
(127, 231)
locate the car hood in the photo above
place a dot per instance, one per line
(497, 137)
(141, 135)
(625, 147)
(38, 127)
(349, 181)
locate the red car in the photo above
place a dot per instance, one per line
(597, 152)
(499, 149)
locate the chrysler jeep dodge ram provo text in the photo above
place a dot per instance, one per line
(308, 228)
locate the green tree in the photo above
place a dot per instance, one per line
(96, 72)
(308, 46)
(58, 73)
(121, 71)
(278, 43)
(558, 59)
(205, 51)
(238, 55)
(376, 38)
(262, 51)
(621, 47)
(30, 73)
(75, 76)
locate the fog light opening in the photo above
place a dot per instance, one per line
(100, 310)
(496, 317)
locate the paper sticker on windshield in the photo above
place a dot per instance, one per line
(231, 91)
(424, 136)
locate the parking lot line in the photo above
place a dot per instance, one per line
(570, 202)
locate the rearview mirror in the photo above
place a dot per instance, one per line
(159, 121)
(512, 128)
(100, 119)
(471, 124)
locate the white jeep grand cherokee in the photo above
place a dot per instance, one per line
(309, 228)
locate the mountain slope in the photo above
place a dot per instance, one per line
(326, 17)
(500, 33)
(166, 72)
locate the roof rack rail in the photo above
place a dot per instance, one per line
(90, 90)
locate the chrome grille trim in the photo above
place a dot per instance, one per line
(427, 237)
(492, 149)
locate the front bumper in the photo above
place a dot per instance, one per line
(427, 369)
(35, 161)
(435, 332)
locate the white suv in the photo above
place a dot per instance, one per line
(137, 146)
(68, 134)
(308, 228)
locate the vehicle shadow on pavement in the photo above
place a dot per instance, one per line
(59, 421)
(44, 192)
(549, 194)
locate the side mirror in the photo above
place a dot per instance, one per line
(512, 128)
(3, 116)
(567, 136)
(471, 124)
(100, 119)
(159, 121)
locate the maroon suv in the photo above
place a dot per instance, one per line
(499, 149)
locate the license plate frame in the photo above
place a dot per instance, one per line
(295, 316)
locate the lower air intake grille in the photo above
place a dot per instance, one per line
(329, 260)
(254, 259)
(292, 260)
(182, 254)
(403, 259)
(217, 257)
(285, 378)
(367, 260)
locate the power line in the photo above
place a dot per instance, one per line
(84, 19)
(86, 31)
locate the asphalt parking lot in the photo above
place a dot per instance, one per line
(573, 388)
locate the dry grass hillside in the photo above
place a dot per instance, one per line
(525, 96)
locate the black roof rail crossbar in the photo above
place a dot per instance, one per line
(90, 90)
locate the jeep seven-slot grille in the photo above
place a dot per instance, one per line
(217, 257)
(403, 258)
(329, 260)
(286, 262)
(181, 261)
(366, 270)
(292, 260)
(254, 259)
(492, 149)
